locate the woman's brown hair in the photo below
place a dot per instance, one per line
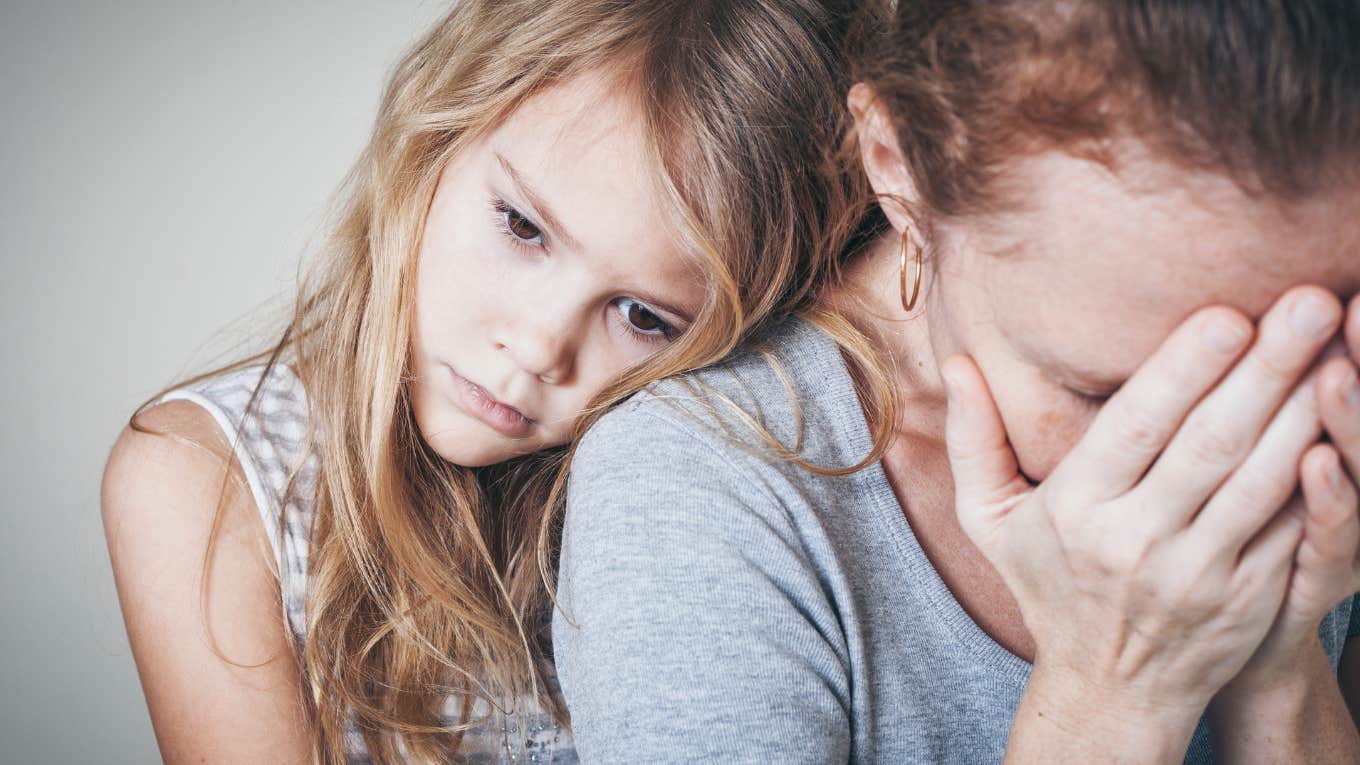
(1265, 91)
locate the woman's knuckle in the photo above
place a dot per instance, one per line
(1138, 430)
(1213, 443)
(1275, 364)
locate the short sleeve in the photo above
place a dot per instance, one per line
(269, 441)
(1354, 629)
(691, 627)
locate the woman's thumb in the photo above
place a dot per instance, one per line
(987, 480)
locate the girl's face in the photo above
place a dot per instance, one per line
(1061, 302)
(545, 270)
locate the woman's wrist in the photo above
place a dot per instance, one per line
(1281, 677)
(1291, 712)
(1272, 695)
(1067, 716)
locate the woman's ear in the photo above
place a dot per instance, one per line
(881, 154)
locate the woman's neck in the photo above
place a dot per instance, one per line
(916, 463)
(870, 298)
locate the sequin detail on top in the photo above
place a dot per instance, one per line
(270, 444)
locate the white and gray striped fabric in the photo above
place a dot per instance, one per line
(270, 444)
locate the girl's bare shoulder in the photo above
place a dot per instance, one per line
(200, 593)
(171, 477)
(171, 450)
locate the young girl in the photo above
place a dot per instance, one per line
(556, 195)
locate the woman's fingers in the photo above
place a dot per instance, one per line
(1338, 394)
(1326, 562)
(987, 480)
(1352, 332)
(1264, 481)
(1135, 425)
(1219, 434)
(1262, 574)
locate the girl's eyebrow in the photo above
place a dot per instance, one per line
(540, 207)
(652, 301)
(559, 231)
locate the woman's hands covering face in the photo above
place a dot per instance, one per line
(1325, 565)
(1155, 562)
(1327, 568)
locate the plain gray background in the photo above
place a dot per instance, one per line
(163, 165)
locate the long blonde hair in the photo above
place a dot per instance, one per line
(426, 580)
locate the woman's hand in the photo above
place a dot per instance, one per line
(1326, 566)
(1285, 703)
(1152, 563)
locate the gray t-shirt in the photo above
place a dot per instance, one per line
(722, 604)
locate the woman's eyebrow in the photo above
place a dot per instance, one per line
(541, 208)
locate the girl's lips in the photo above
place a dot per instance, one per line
(475, 400)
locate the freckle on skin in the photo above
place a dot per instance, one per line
(1054, 433)
(1048, 426)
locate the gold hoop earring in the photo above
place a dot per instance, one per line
(909, 303)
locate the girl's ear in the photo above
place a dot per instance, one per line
(881, 154)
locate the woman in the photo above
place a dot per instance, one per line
(1091, 547)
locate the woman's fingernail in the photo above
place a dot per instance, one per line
(1223, 336)
(1311, 316)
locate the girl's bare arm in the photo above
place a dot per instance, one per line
(219, 675)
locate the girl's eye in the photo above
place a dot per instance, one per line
(643, 319)
(516, 225)
(521, 227)
(640, 320)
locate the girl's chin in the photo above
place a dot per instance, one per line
(469, 448)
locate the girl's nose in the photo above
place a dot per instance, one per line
(542, 347)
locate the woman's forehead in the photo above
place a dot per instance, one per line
(1099, 270)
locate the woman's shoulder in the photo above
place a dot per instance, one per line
(785, 392)
(729, 457)
(681, 525)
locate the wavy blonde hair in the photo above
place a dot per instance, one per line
(428, 580)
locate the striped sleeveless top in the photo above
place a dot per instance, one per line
(270, 446)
